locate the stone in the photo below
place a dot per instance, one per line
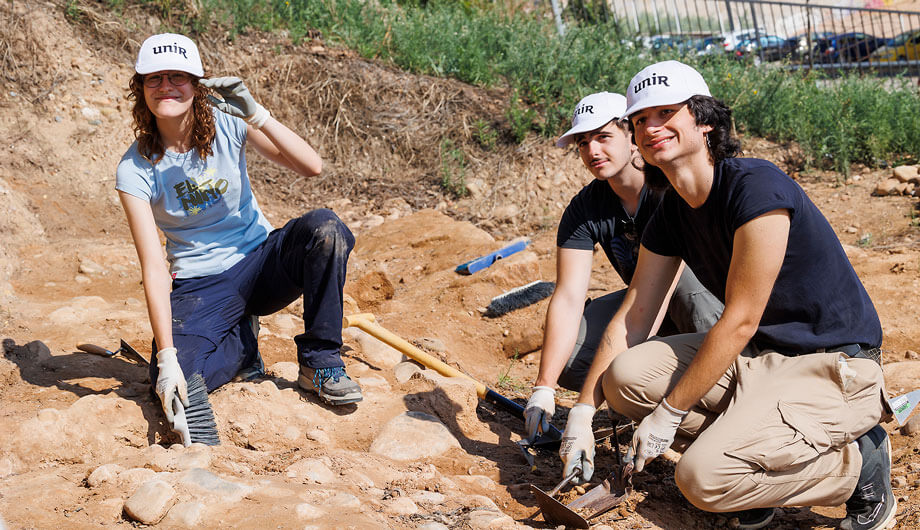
(195, 456)
(431, 525)
(104, 473)
(308, 512)
(185, 515)
(211, 488)
(131, 478)
(374, 382)
(404, 371)
(516, 270)
(6, 467)
(401, 506)
(476, 187)
(432, 344)
(523, 340)
(318, 436)
(911, 355)
(481, 502)
(477, 481)
(912, 426)
(413, 436)
(345, 500)
(898, 482)
(285, 370)
(312, 469)
(372, 221)
(489, 520)
(375, 352)
(150, 502)
(428, 497)
(906, 173)
(89, 267)
(887, 187)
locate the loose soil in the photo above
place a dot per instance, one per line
(69, 274)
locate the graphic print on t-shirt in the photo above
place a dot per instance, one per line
(198, 195)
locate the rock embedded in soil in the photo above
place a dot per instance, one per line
(104, 473)
(285, 370)
(313, 469)
(405, 370)
(413, 436)
(150, 502)
(308, 511)
(912, 426)
(211, 488)
(373, 351)
(185, 515)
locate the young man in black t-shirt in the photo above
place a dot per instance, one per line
(780, 401)
(612, 212)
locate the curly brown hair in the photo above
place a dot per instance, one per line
(149, 143)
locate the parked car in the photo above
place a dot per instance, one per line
(848, 47)
(766, 47)
(711, 45)
(904, 47)
(731, 40)
(801, 42)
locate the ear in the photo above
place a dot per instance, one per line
(705, 129)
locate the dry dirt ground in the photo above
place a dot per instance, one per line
(69, 275)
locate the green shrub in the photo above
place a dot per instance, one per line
(835, 121)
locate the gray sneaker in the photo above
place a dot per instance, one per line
(332, 384)
(872, 505)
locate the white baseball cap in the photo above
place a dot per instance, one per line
(593, 112)
(169, 51)
(664, 83)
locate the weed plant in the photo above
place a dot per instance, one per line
(835, 121)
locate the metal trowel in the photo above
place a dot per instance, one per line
(125, 350)
(598, 500)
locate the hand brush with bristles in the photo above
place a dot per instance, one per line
(195, 423)
(519, 297)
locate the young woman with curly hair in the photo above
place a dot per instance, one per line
(186, 175)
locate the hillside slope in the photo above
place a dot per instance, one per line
(83, 444)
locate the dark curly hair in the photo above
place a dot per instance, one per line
(720, 142)
(149, 143)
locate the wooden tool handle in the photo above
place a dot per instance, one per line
(97, 350)
(366, 322)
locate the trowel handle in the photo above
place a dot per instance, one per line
(96, 350)
(576, 472)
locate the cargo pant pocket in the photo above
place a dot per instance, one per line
(787, 437)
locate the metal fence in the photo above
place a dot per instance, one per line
(797, 35)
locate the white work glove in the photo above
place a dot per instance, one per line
(237, 100)
(170, 382)
(539, 410)
(654, 435)
(577, 449)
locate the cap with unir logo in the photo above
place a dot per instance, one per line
(664, 83)
(593, 112)
(169, 51)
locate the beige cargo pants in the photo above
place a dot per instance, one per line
(774, 431)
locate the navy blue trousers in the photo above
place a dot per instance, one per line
(307, 257)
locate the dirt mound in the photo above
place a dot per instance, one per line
(84, 433)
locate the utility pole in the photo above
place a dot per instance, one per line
(557, 15)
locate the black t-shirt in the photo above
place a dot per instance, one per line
(596, 215)
(817, 300)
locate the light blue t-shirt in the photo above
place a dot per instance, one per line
(205, 208)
